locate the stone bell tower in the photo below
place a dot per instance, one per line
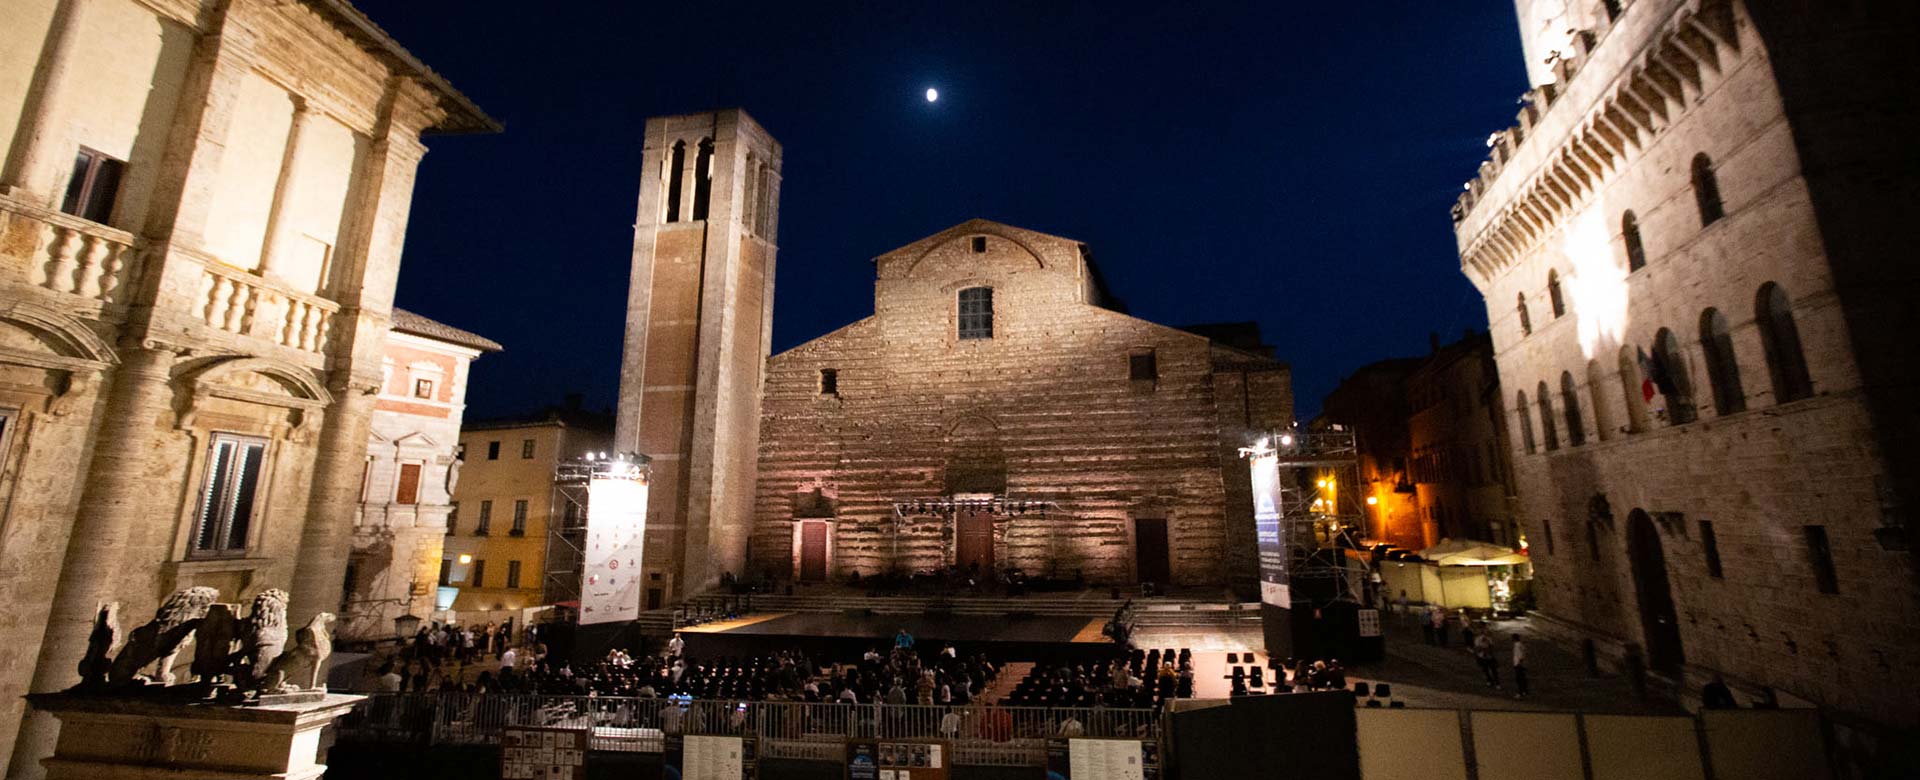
(699, 310)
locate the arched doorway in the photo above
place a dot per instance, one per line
(1658, 619)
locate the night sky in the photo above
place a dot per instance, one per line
(1285, 162)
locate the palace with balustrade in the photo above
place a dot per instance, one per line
(201, 216)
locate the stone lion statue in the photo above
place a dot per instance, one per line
(301, 666)
(262, 636)
(97, 665)
(213, 644)
(159, 640)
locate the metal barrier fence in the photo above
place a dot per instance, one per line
(981, 735)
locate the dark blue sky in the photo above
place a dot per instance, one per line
(1285, 162)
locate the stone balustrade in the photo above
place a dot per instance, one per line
(239, 302)
(74, 256)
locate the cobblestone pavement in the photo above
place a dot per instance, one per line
(1425, 675)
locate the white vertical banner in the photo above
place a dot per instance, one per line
(1270, 535)
(610, 581)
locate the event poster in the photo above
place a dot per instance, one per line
(712, 758)
(610, 583)
(1269, 531)
(1096, 759)
(542, 753)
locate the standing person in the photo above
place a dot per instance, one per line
(676, 646)
(1438, 616)
(1402, 601)
(1483, 655)
(1717, 696)
(1520, 689)
(903, 640)
(508, 659)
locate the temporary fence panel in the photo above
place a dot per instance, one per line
(1643, 747)
(981, 736)
(1766, 744)
(1527, 746)
(1410, 743)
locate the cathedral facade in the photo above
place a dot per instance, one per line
(998, 411)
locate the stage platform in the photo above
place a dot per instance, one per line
(850, 633)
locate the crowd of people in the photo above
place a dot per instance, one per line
(902, 675)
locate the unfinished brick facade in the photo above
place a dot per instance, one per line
(1034, 392)
(1702, 315)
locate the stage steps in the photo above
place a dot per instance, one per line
(1007, 679)
(1155, 612)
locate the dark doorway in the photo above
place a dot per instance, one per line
(1658, 619)
(973, 540)
(655, 598)
(813, 551)
(1150, 551)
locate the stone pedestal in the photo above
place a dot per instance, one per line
(105, 738)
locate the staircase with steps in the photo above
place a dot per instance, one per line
(1158, 611)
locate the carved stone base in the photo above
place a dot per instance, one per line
(104, 737)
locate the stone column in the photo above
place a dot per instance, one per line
(326, 538)
(689, 174)
(277, 216)
(38, 148)
(369, 266)
(111, 503)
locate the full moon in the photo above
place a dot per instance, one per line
(932, 94)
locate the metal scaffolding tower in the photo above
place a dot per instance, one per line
(1323, 513)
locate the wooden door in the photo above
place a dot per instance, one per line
(1150, 562)
(973, 541)
(813, 551)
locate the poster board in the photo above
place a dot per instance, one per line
(1096, 759)
(899, 759)
(1369, 620)
(532, 753)
(610, 579)
(712, 758)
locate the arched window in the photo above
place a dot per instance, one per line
(1553, 295)
(1706, 190)
(1570, 405)
(1634, 389)
(1549, 431)
(1636, 250)
(976, 313)
(702, 178)
(1526, 323)
(1723, 371)
(1670, 376)
(1526, 423)
(675, 162)
(1781, 339)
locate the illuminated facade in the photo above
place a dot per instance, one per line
(1702, 319)
(1458, 462)
(997, 372)
(497, 538)
(201, 218)
(412, 467)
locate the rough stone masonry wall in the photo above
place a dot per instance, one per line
(1759, 475)
(1049, 394)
